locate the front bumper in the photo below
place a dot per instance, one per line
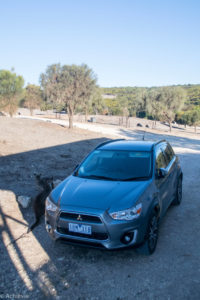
(106, 232)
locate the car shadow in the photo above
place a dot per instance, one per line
(17, 178)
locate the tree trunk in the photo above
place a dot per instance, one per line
(127, 121)
(86, 114)
(170, 126)
(70, 121)
(10, 110)
(70, 115)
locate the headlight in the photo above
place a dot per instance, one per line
(50, 205)
(128, 214)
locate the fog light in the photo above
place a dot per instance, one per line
(127, 237)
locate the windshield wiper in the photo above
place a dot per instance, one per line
(135, 179)
(99, 177)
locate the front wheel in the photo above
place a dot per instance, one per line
(151, 238)
(178, 196)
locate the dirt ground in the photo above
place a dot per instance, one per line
(33, 266)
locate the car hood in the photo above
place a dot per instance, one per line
(98, 194)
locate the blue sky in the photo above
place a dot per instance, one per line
(125, 42)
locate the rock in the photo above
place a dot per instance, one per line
(66, 284)
(24, 201)
(56, 182)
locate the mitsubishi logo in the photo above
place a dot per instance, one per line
(79, 218)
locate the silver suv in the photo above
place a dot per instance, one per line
(117, 196)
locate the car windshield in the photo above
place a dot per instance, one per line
(116, 165)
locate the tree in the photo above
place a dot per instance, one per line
(171, 100)
(182, 118)
(112, 106)
(154, 104)
(97, 104)
(69, 85)
(33, 97)
(140, 102)
(11, 86)
(89, 88)
(52, 88)
(193, 118)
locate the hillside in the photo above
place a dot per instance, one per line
(192, 90)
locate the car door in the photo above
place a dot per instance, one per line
(162, 182)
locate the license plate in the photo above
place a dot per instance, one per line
(80, 228)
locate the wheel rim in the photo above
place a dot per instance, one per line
(153, 233)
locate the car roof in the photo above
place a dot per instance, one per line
(128, 145)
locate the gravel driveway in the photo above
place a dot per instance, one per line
(34, 267)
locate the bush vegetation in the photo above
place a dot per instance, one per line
(73, 88)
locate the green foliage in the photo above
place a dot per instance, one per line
(97, 104)
(193, 117)
(190, 117)
(171, 100)
(154, 104)
(113, 106)
(68, 85)
(192, 92)
(158, 103)
(11, 87)
(45, 106)
(128, 101)
(182, 118)
(33, 97)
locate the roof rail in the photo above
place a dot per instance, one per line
(107, 142)
(161, 141)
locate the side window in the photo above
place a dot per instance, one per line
(169, 153)
(160, 159)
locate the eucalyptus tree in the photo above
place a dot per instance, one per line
(193, 118)
(11, 87)
(97, 104)
(172, 100)
(154, 104)
(163, 103)
(69, 85)
(33, 97)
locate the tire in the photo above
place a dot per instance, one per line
(151, 237)
(178, 197)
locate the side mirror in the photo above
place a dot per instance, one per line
(161, 173)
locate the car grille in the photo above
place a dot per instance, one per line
(94, 235)
(84, 218)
